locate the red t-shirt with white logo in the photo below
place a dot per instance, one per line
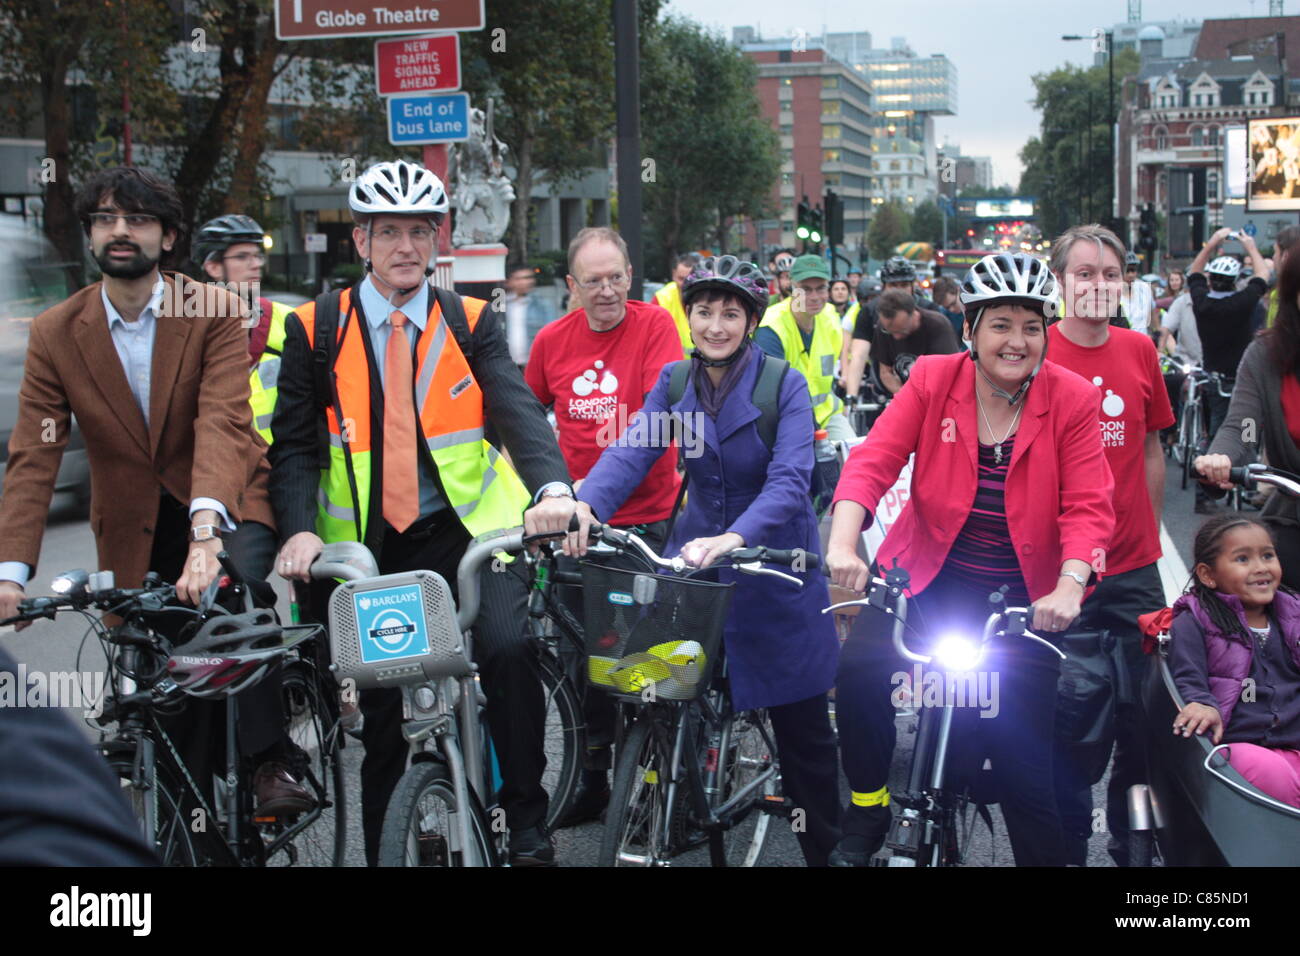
(1134, 403)
(597, 381)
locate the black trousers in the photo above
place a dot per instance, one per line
(1113, 606)
(507, 661)
(805, 745)
(1013, 729)
(199, 731)
(1287, 539)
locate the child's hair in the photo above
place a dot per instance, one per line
(1206, 548)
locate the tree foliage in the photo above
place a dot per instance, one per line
(1065, 165)
(710, 155)
(927, 224)
(891, 225)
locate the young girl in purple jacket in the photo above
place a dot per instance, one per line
(1235, 654)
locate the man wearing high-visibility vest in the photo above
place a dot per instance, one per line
(670, 298)
(230, 251)
(401, 423)
(805, 331)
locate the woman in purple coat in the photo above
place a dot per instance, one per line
(781, 650)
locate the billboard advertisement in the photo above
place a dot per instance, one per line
(1273, 173)
(1234, 162)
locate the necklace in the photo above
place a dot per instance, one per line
(997, 443)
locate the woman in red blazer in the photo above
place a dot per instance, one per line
(1010, 486)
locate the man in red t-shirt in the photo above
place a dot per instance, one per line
(1122, 363)
(595, 366)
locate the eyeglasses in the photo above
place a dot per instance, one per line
(618, 282)
(136, 220)
(256, 257)
(389, 235)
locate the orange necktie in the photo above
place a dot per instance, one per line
(401, 480)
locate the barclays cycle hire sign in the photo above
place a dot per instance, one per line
(390, 623)
(426, 120)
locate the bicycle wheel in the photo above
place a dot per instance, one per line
(747, 752)
(318, 838)
(634, 822)
(421, 825)
(565, 740)
(1191, 439)
(173, 838)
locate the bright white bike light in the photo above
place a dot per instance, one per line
(957, 652)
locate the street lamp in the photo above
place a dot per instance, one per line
(1110, 107)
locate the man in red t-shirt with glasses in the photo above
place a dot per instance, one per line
(595, 366)
(1122, 363)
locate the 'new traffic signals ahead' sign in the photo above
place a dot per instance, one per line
(322, 19)
(423, 120)
(418, 64)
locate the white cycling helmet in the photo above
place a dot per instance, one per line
(399, 188)
(1225, 266)
(1011, 279)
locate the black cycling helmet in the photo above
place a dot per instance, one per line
(1131, 259)
(734, 276)
(230, 652)
(869, 288)
(217, 235)
(898, 269)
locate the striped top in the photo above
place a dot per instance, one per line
(983, 557)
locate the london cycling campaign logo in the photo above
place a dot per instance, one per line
(390, 624)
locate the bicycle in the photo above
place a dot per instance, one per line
(177, 818)
(926, 831)
(689, 770)
(442, 811)
(1193, 436)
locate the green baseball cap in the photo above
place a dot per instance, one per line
(809, 267)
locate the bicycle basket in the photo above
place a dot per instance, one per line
(395, 629)
(648, 631)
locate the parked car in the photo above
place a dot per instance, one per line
(32, 278)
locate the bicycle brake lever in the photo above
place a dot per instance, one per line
(756, 567)
(860, 602)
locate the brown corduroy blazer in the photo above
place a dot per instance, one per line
(200, 441)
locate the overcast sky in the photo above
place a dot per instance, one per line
(996, 45)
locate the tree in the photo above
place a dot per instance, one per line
(890, 226)
(1065, 165)
(710, 155)
(927, 224)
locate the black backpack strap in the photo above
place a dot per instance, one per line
(453, 312)
(677, 381)
(324, 345)
(767, 397)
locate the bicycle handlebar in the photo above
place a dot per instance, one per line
(1254, 474)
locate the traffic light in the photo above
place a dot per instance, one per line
(804, 226)
(1147, 230)
(834, 206)
(817, 226)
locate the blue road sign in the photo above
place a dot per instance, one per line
(422, 120)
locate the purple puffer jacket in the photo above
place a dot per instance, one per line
(1229, 656)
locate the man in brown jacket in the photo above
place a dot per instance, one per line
(155, 368)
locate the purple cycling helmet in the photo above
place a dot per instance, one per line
(728, 274)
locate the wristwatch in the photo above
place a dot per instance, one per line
(1083, 582)
(205, 532)
(555, 489)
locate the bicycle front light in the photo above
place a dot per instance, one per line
(957, 652)
(70, 582)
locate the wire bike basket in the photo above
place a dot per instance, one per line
(651, 633)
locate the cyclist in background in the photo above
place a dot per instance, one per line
(670, 297)
(805, 331)
(1282, 243)
(780, 649)
(896, 275)
(780, 271)
(229, 249)
(1138, 300)
(1224, 317)
(1012, 489)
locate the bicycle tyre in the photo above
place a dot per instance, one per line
(1191, 444)
(637, 800)
(408, 839)
(173, 838)
(565, 739)
(313, 728)
(749, 753)
(1141, 848)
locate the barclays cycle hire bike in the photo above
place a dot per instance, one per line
(405, 630)
(930, 828)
